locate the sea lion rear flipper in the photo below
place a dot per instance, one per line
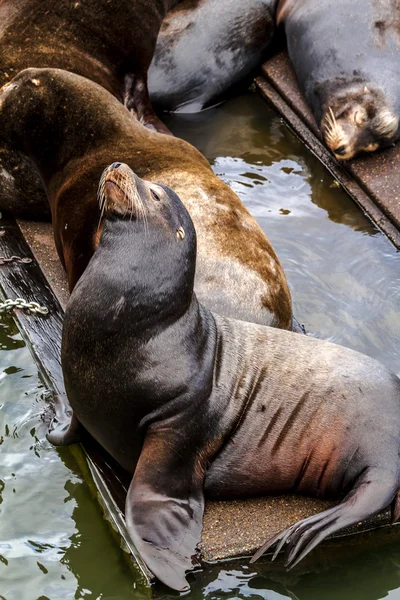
(66, 427)
(164, 507)
(375, 490)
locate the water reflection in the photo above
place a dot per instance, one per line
(372, 575)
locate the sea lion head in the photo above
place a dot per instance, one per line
(124, 195)
(19, 107)
(54, 116)
(358, 119)
(149, 233)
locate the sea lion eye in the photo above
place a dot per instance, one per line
(341, 150)
(180, 234)
(155, 196)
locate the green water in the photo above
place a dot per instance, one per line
(344, 277)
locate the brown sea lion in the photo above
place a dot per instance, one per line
(192, 403)
(110, 42)
(71, 129)
(346, 56)
(205, 47)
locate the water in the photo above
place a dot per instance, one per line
(344, 277)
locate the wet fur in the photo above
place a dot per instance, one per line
(111, 43)
(230, 38)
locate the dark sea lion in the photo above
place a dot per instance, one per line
(110, 42)
(190, 402)
(205, 47)
(71, 129)
(346, 55)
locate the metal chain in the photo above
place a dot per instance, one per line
(31, 307)
(4, 260)
(8, 305)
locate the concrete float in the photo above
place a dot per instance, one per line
(233, 529)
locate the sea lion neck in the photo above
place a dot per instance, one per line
(148, 282)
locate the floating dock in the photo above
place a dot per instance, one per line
(231, 529)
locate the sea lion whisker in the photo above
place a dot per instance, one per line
(101, 213)
(100, 190)
(334, 134)
(101, 197)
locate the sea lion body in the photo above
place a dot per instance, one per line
(191, 402)
(205, 47)
(346, 56)
(72, 129)
(111, 43)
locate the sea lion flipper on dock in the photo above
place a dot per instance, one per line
(164, 506)
(137, 100)
(188, 400)
(371, 493)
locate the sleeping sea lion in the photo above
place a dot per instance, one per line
(71, 129)
(346, 55)
(205, 47)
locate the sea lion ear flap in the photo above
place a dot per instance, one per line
(386, 123)
(164, 508)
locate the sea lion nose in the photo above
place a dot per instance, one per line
(115, 166)
(341, 150)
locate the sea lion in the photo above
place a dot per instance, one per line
(205, 47)
(193, 403)
(111, 43)
(346, 56)
(71, 129)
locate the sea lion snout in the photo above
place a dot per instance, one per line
(6, 90)
(8, 87)
(121, 192)
(359, 121)
(124, 194)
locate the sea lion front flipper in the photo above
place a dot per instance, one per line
(137, 100)
(164, 507)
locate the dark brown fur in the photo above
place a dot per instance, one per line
(72, 129)
(111, 43)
